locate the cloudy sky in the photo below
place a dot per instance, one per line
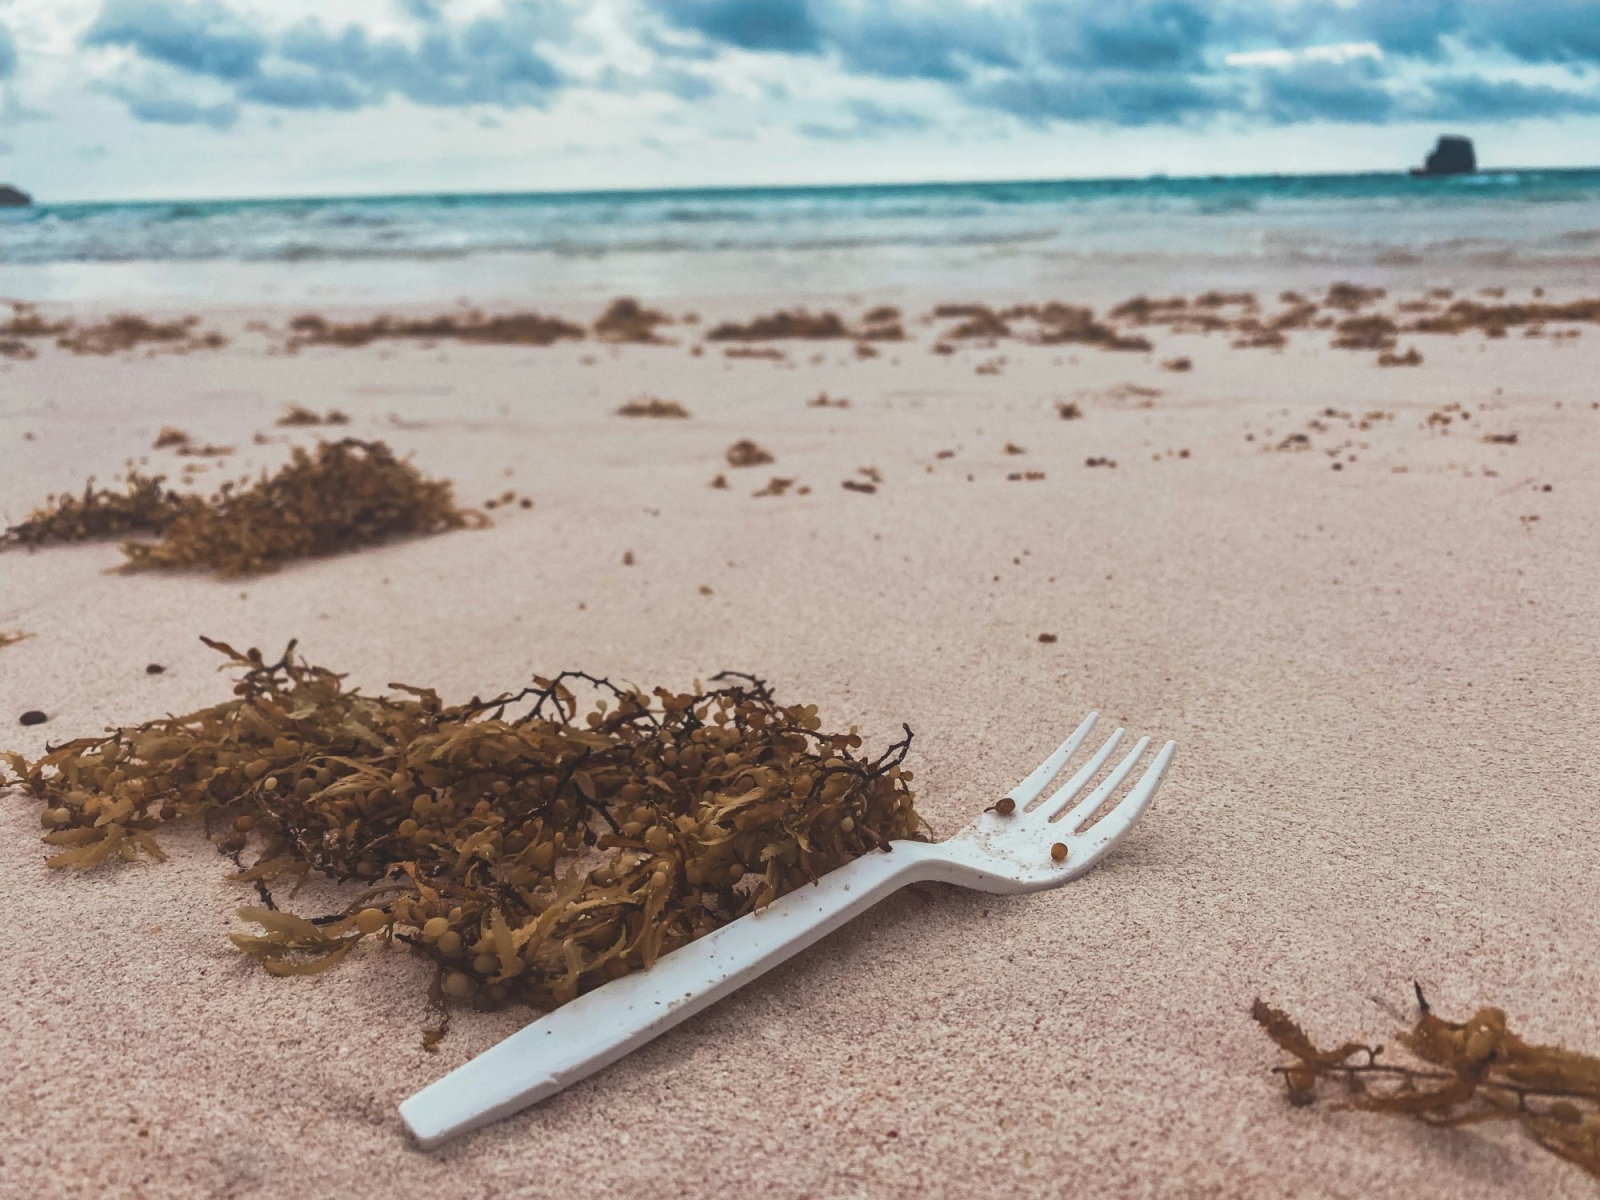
(193, 98)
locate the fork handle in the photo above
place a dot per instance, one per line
(599, 1027)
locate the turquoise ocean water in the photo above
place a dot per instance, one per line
(830, 238)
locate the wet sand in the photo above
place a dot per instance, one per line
(1381, 680)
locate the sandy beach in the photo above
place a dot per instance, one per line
(1381, 680)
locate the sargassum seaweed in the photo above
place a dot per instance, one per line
(339, 496)
(1457, 1074)
(529, 857)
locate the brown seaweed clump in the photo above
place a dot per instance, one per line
(530, 856)
(27, 322)
(1066, 324)
(797, 323)
(1144, 310)
(1371, 332)
(1492, 320)
(24, 325)
(142, 506)
(125, 331)
(188, 449)
(298, 415)
(1411, 358)
(1459, 1074)
(1255, 336)
(340, 496)
(653, 406)
(629, 321)
(976, 321)
(1215, 299)
(1300, 314)
(745, 453)
(170, 437)
(1351, 297)
(1056, 324)
(502, 329)
(882, 324)
(128, 331)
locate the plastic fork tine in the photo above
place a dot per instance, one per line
(1110, 829)
(1046, 771)
(1085, 773)
(1082, 811)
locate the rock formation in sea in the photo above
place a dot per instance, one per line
(1451, 156)
(11, 197)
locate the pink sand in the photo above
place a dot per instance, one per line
(1382, 681)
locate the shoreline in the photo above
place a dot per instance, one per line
(716, 279)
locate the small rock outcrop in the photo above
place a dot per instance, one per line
(1451, 156)
(11, 197)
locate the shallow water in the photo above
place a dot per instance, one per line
(1534, 226)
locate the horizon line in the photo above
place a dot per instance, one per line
(735, 189)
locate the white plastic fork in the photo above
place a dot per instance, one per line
(999, 852)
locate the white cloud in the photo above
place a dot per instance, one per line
(1335, 52)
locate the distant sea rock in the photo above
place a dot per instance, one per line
(1452, 156)
(11, 197)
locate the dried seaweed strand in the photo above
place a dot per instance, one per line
(1463, 1074)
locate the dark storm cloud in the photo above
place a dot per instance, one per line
(1130, 63)
(1116, 98)
(1524, 31)
(1311, 91)
(1147, 62)
(789, 26)
(158, 107)
(1469, 98)
(303, 89)
(1555, 31)
(1153, 35)
(203, 39)
(492, 60)
(944, 44)
(1149, 37)
(489, 61)
(868, 119)
(662, 76)
(871, 115)
(8, 55)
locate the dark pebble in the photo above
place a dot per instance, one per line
(33, 717)
(155, 669)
